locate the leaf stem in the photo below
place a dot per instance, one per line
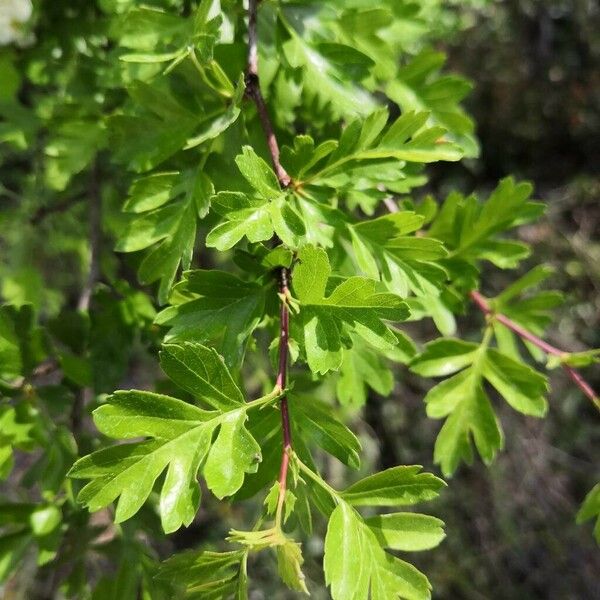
(317, 479)
(482, 303)
(267, 399)
(202, 71)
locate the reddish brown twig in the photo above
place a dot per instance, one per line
(253, 92)
(482, 303)
(284, 315)
(523, 333)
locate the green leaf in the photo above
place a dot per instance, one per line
(410, 532)
(419, 86)
(444, 357)
(234, 453)
(289, 566)
(258, 173)
(352, 306)
(362, 151)
(398, 486)
(169, 203)
(463, 400)
(531, 279)
(180, 440)
(216, 124)
(521, 386)
(323, 78)
(383, 250)
(362, 368)
(260, 216)
(70, 149)
(575, 359)
(16, 431)
(590, 509)
(470, 414)
(204, 574)
(146, 139)
(347, 573)
(366, 572)
(317, 423)
(201, 371)
(470, 229)
(213, 305)
(21, 341)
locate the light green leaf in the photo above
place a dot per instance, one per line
(257, 217)
(402, 262)
(289, 566)
(203, 573)
(444, 357)
(521, 386)
(352, 306)
(258, 173)
(323, 79)
(420, 86)
(394, 487)
(347, 573)
(469, 228)
(367, 571)
(361, 368)
(169, 203)
(410, 532)
(234, 453)
(472, 415)
(179, 438)
(590, 509)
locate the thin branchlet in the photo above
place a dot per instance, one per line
(482, 303)
(523, 333)
(254, 93)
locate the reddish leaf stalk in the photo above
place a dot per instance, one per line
(253, 92)
(482, 303)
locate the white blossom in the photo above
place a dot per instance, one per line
(13, 14)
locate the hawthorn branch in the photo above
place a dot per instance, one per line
(254, 93)
(482, 303)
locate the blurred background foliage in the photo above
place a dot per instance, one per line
(536, 105)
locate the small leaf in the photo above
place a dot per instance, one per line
(521, 386)
(443, 357)
(590, 509)
(289, 566)
(317, 424)
(234, 453)
(202, 372)
(394, 487)
(353, 306)
(409, 532)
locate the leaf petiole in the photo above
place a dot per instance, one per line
(317, 479)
